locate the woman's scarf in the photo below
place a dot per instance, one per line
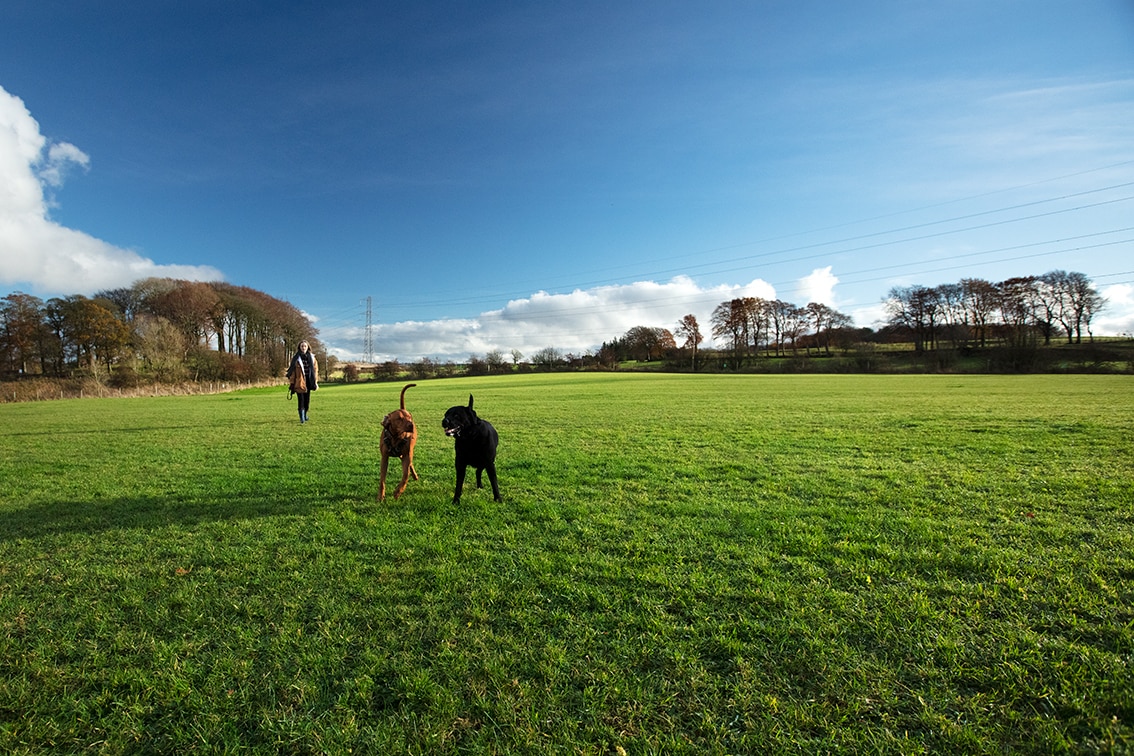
(299, 375)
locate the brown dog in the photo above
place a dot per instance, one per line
(399, 436)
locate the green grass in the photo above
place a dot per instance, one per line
(681, 564)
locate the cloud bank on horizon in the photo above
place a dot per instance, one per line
(35, 251)
(574, 323)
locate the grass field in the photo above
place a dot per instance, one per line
(681, 564)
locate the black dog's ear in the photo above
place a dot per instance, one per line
(470, 401)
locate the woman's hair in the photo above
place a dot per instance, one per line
(303, 344)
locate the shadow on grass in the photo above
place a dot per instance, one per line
(148, 513)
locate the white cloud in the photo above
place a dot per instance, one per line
(59, 157)
(40, 255)
(580, 321)
(818, 286)
(1117, 318)
(868, 316)
(577, 322)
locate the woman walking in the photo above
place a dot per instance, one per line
(304, 375)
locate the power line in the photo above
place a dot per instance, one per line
(842, 246)
(1114, 275)
(662, 302)
(834, 242)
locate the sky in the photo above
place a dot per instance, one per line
(521, 175)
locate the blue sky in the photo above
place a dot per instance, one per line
(507, 175)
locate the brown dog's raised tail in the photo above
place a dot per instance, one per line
(399, 436)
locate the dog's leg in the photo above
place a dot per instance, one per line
(409, 459)
(407, 465)
(479, 470)
(492, 479)
(460, 484)
(382, 478)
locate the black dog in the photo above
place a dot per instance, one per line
(476, 442)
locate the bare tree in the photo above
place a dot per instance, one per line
(757, 315)
(1083, 302)
(794, 326)
(423, 368)
(690, 331)
(979, 299)
(785, 319)
(729, 322)
(1051, 301)
(476, 366)
(1093, 305)
(548, 357)
(825, 320)
(1018, 303)
(495, 360)
(951, 302)
(916, 309)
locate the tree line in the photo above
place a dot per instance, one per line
(168, 330)
(1017, 312)
(1007, 318)
(747, 326)
(159, 329)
